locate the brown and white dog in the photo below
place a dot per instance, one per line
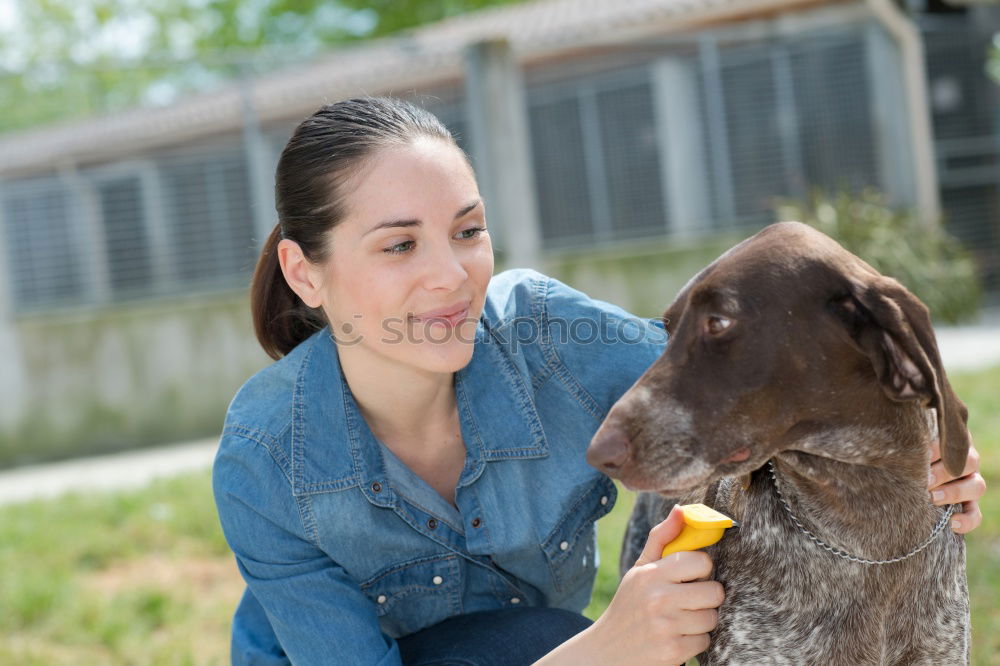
(790, 349)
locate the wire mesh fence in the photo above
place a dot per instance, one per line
(614, 155)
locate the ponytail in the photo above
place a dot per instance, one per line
(280, 319)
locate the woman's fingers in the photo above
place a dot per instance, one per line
(700, 621)
(693, 645)
(686, 566)
(662, 533)
(939, 475)
(701, 595)
(968, 519)
(964, 489)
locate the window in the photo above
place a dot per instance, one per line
(45, 265)
(210, 222)
(632, 160)
(796, 114)
(125, 237)
(753, 120)
(564, 206)
(834, 113)
(596, 159)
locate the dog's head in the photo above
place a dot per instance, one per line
(785, 342)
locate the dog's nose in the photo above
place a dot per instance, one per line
(608, 450)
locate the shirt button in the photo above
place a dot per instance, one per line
(381, 598)
(564, 545)
(376, 486)
(438, 580)
(515, 600)
(432, 523)
(476, 522)
(604, 500)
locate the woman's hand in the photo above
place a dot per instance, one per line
(661, 613)
(965, 489)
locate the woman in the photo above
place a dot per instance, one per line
(407, 482)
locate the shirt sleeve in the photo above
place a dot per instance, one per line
(604, 348)
(318, 613)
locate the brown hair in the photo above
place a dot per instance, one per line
(325, 150)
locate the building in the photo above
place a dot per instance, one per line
(647, 136)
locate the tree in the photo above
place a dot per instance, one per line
(64, 59)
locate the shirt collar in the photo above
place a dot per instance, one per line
(332, 446)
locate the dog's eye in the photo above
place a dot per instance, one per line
(715, 324)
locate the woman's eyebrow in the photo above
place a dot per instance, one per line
(416, 223)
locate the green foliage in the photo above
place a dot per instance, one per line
(65, 59)
(928, 261)
(992, 66)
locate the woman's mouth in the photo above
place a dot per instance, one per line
(450, 316)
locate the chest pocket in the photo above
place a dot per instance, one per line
(571, 546)
(416, 594)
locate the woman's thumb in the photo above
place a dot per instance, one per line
(661, 534)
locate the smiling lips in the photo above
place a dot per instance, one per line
(449, 316)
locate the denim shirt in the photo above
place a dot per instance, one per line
(344, 548)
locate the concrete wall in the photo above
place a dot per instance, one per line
(120, 378)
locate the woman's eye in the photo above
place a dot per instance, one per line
(475, 232)
(716, 325)
(399, 248)
(406, 246)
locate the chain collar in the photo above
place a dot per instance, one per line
(853, 558)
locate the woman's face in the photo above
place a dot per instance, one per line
(412, 249)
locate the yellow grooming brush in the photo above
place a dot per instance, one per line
(703, 526)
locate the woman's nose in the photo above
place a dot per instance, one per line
(444, 269)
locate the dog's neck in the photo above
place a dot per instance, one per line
(873, 509)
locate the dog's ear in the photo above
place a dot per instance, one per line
(893, 328)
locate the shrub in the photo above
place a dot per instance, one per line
(928, 261)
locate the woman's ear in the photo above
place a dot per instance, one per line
(302, 277)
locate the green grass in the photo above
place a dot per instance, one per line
(981, 393)
(145, 577)
(132, 578)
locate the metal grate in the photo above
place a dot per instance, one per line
(126, 240)
(632, 161)
(42, 254)
(208, 215)
(173, 223)
(794, 114)
(596, 159)
(564, 208)
(753, 133)
(964, 107)
(776, 117)
(834, 120)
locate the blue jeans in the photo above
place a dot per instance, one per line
(505, 637)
